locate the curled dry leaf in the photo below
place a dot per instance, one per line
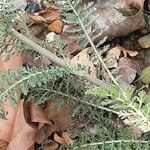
(3, 145)
(30, 61)
(59, 121)
(47, 16)
(129, 67)
(15, 130)
(64, 139)
(53, 146)
(34, 114)
(136, 3)
(83, 59)
(15, 61)
(114, 54)
(113, 23)
(23, 124)
(73, 45)
(56, 26)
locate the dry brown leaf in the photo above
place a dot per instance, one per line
(23, 135)
(37, 113)
(59, 121)
(60, 118)
(113, 23)
(114, 54)
(6, 125)
(73, 45)
(127, 52)
(53, 146)
(15, 130)
(136, 131)
(44, 132)
(56, 26)
(64, 139)
(30, 61)
(3, 145)
(83, 59)
(47, 16)
(15, 61)
(129, 67)
(136, 3)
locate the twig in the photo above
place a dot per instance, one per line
(52, 57)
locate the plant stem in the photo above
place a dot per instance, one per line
(111, 142)
(92, 45)
(52, 57)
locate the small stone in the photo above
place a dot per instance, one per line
(144, 41)
(145, 75)
(50, 37)
(56, 26)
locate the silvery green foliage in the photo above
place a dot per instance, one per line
(75, 13)
(131, 106)
(24, 79)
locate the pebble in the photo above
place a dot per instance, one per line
(144, 41)
(145, 75)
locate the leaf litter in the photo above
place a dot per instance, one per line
(38, 125)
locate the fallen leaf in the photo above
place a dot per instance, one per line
(136, 3)
(15, 61)
(56, 26)
(129, 68)
(64, 139)
(114, 54)
(30, 61)
(15, 130)
(59, 121)
(136, 131)
(3, 145)
(6, 125)
(127, 52)
(73, 45)
(47, 16)
(34, 114)
(53, 146)
(44, 132)
(113, 23)
(83, 59)
(60, 118)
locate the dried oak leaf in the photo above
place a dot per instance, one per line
(16, 59)
(3, 145)
(30, 61)
(53, 146)
(136, 3)
(59, 119)
(47, 16)
(83, 59)
(129, 67)
(22, 125)
(114, 54)
(15, 130)
(113, 23)
(64, 139)
(73, 44)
